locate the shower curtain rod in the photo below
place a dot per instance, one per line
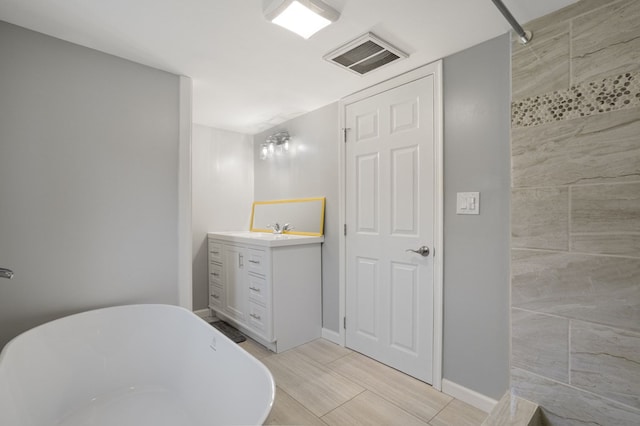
(523, 36)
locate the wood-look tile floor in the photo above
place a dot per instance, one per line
(321, 383)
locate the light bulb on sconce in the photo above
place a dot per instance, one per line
(264, 151)
(278, 143)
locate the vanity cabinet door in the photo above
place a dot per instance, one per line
(234, 266)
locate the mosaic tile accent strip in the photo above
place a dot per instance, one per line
(610, 94)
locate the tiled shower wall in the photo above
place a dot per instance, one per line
(575, 210)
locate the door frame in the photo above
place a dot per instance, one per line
(434, 69)
(184, 228)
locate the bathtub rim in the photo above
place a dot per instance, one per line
(202, 323)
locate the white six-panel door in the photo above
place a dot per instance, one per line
(390, 187)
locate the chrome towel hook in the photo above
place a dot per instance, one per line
(6, 273)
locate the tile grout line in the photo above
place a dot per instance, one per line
(308, 358)
(578, 185)
(569, 351)
(548, 314)
(570, 53)
(569, 222)
(604, 234)
(347, 401)
(530, 311)
(550, 251)
(572, 17)
(356, 382)
(324, 364)
(442, 409)
(579, 389)
(337, 359)
(299, 402)
(405, 411)
(596, 9)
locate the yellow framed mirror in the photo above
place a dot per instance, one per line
(306, 215)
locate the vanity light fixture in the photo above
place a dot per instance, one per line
(303, 17)
(277, 143)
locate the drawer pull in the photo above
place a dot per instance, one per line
(257, 262)
(215, 296)
(215, 252)
(215, 274)
(254, 316)
(255, 289)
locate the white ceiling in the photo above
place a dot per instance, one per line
(248, 74)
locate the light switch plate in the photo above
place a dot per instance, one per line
(468, 203)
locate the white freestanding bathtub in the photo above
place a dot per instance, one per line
(154, 365)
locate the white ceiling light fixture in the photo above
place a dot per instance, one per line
(303, 17)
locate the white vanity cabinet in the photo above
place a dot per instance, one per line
(269, 286)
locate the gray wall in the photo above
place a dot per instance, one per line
(476, 248)
(311, 170)
(222, 193)
(88, 180)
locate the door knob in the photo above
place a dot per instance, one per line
(422, 251)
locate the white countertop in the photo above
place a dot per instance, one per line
(265, 239)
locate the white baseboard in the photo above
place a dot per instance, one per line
(331, 336)
(205, 314)
(471, 397)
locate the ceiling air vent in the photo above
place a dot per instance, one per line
(365, 54)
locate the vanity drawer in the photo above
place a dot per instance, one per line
(215, 296)
(259, 319)
(257, 261)
(215, 274)
(258, 289)
(215, 251)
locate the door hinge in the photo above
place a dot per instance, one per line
(345, 130)
(344, 322)
(345, 229)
